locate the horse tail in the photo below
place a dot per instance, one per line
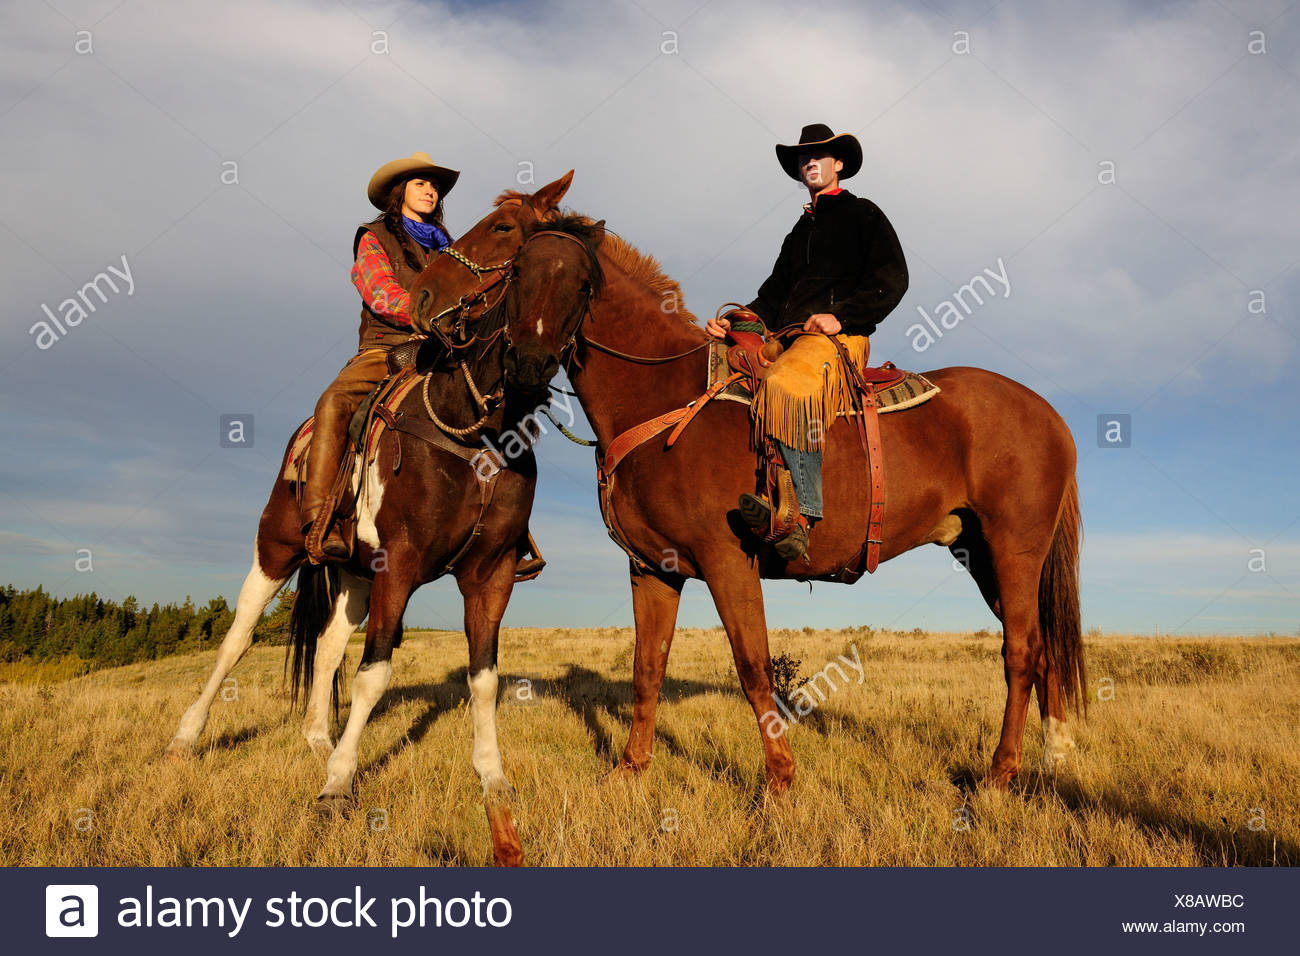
(318, 586)
(1058, 604)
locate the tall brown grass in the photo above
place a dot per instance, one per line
(1189, 758)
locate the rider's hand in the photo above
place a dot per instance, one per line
(718, 328)
(822, 322)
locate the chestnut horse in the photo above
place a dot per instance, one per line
(986, 467)
(411, 522)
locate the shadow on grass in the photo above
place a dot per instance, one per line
(437, 699)
(592, 697)
(233, 738)
(1215, 844)
(589, 694)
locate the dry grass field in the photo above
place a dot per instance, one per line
(1191, 759)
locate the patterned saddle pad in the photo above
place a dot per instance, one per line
(910, 390)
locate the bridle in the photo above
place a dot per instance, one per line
(566, 349)
(456, 335)
(473, 266)
(505, 273)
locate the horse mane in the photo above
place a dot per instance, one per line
(640, 267)
(645, 269)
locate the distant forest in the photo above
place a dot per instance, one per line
(35, 626)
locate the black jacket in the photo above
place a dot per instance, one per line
(842, 258)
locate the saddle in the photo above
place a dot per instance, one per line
(748, 361)
(896, 389)
(753, 356)
(379, 414)
(364, 432)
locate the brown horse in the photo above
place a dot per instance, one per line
(412, 522)
(986, 468)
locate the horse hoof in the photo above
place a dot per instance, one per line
(334, 805)
(777, 788)
(178, 751)
(998, 780)
(508, 856)
(624, 771)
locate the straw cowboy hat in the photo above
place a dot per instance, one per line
(417, 164)
(844, 147)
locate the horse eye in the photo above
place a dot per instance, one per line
(502, 227)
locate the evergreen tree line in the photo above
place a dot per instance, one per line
(35, 625)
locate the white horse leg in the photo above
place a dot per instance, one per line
(368, 686)
(254, 596)
(1057, 744)
(487, 755)
(350, 609)
(497, 792)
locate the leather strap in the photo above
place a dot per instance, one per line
(868, 422)
(681, 417)
(694, 407)
(431, 433)
(876, 462)
(633, 438)
(480, 459)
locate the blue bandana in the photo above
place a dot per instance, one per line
(428, 234)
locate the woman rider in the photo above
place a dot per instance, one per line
(390, 251)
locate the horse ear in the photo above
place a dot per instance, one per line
(549, 196)
(598, 234)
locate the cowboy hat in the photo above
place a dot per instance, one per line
(416, 165)
(844, 147)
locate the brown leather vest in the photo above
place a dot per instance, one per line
(375, 332)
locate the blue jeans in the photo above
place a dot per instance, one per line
(806, 470)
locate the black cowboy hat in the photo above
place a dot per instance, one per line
(844, 147)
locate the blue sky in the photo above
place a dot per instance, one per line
(1135, 168)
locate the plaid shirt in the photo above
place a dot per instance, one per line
(373, 276)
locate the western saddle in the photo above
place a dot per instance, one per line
(736, 367)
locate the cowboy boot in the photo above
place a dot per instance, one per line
(789, 545)
(795, 544)
(323, 539)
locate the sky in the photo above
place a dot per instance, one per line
(1132, 168)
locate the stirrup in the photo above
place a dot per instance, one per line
(779, 497)
(530, 563)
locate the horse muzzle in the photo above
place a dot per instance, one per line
(529, 371)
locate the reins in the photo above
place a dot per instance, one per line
(486, 405)
(641, 359)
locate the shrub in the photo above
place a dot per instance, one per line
(786, 678)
